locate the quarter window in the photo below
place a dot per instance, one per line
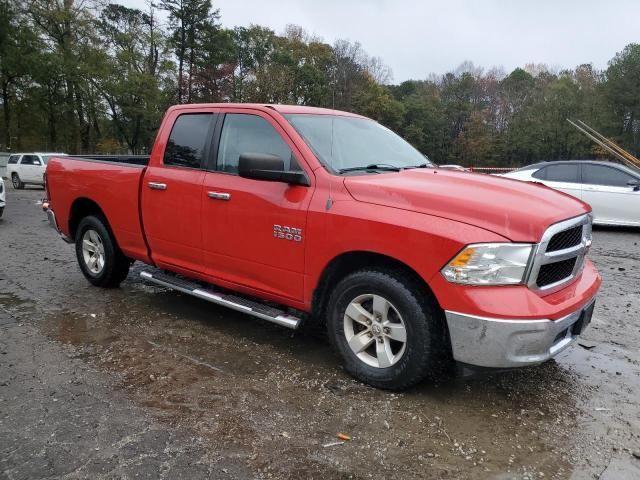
(187, 141)
(608, 176)
(242, 133)
(563, 172)
(13, 159)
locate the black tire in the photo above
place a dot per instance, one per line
(115, 266)
(17, 183)
(426, 347)
(1, 211)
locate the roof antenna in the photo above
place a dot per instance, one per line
(333, 107)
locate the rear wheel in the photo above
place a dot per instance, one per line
(1, 211)
(17, 183)
(99, 257)
(387, 329)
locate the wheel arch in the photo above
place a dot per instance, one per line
(83, 207)
(349, 262)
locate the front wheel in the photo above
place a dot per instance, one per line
(387, 329)
(99, 257)
(17, 183)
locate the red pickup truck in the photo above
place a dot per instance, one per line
(293, 213)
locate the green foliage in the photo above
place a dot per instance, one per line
(92, 76)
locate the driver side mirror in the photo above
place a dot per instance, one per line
(262, 166)
(635, 184)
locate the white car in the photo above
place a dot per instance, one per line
(458, 168)
(28, 168)
(2, 196)
(612, 190)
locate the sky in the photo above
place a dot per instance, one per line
(416, 38)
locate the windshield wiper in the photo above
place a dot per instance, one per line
(374, 166)
(422, 165)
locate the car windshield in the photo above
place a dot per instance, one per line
(349, 143)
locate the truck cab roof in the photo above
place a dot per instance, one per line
(283, 109)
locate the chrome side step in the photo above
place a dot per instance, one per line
(235, 302)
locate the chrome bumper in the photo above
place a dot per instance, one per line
(54, 224)
(498, 343)
(52, 219)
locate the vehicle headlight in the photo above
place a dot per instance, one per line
(489, 264)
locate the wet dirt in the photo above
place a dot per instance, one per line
(270, 399)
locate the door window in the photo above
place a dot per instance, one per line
(607, 176)
(242, 133)
(563, 172)
(189, 136)
(13, 159)
(30, 160)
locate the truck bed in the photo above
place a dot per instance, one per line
(109, 183)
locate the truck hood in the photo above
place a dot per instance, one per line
(519, 211)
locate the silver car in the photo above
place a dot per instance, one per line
(612, 190)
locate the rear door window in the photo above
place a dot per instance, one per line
(563, 172)
(243, 133)
(606, 176)
(29, 160)
(188, 140)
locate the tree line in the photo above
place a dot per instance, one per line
(81, 76)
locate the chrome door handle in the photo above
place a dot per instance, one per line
(219, 196)
(157, 186)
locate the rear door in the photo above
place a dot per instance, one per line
(254, 230)
(561, 176)
(171, 194)
(29, 167)
(613, 200)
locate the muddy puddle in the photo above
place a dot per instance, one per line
(276, 398)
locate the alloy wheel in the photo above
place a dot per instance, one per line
(375, 330)
(93, 251)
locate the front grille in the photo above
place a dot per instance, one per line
(560, 255)
(565, 239)
(555, 272)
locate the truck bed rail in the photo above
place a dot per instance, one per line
(142, 160)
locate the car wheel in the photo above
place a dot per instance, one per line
(17, 183)
(1, 211)
(388, 330)
(99, 257)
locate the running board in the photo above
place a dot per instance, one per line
(235, 302)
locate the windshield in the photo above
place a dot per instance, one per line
(342, 143)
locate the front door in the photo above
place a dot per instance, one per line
(561, 176)
(608, 192)
(171, 189)
(254, 231)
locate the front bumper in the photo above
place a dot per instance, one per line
(500, 343)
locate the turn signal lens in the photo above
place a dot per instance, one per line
(463, 257)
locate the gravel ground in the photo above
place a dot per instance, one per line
(142, 382)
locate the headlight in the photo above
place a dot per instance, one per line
(489, 264)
